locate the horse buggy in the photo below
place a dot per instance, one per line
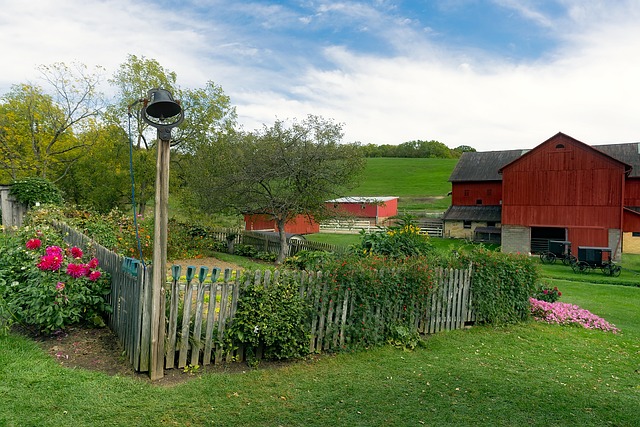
(592, 257)
(558, 249)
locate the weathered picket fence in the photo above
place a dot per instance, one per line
(199, 309)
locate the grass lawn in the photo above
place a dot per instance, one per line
(529, 374)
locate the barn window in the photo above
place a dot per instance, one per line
(478, 201)
(635, 234)
(560, 146)
(491, 223)
(466, 224)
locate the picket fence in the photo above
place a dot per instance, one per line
(200, 307)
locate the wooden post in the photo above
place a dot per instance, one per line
(156, 370)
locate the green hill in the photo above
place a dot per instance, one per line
(421, 183)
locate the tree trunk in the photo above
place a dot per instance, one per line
(284, 245)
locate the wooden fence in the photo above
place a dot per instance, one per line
(201, 309)
(198, 310)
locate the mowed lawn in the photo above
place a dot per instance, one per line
(420, 183)
(529, 374)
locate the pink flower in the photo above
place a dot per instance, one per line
(50, 263)
(94, 275)
(33, 244)
(93, 263)
(76, 270)
(60, 286)
(76, 252)
(54, 250)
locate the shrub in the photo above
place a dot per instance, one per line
(502, 285)
(35, 190)
(546, 293)
(50, 287)
(401, 240)
(309, 260)
(272, 317)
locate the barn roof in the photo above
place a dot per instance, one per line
(483, 166)
(626, 153)
(359, 199)
(473, 213)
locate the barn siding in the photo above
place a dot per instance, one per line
(632, 192)
(468, 193)
(570, 186)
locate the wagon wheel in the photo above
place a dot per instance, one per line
(575, 267)
(607, 269)
(616, 270)
(569, 260)
(584, 267)
(547, 258)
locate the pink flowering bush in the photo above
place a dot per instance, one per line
(49, 287)
(568, 314)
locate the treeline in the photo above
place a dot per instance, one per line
(425, 149)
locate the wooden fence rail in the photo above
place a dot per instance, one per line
(199, 309)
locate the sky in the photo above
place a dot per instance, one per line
(490, 74)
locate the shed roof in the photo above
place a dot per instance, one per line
(362, 199)
(483, 165)
(626, 153)
(473, 213)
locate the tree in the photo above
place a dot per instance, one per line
(207, 111)
(282, 171)
(38, 129)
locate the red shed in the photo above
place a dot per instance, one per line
(299, 225)
(376, 210)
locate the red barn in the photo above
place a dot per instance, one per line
(562, 189)
(376, 210)
(299, 225)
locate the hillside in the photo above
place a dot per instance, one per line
(421, 183)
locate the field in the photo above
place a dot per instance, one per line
(421, 184)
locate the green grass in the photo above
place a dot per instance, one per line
(629, 276)
(420, 183)
(528, 374)
(338, 239)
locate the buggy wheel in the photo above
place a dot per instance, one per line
(616, 270)
(584, 267)
(569, 260)
(607, 269)
(547, 258)
(575, 267)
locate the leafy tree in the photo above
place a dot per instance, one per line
(34, 190)
(38, 129)
(207, 111)
(281, 171)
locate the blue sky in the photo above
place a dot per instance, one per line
(492, 74)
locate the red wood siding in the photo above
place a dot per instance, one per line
(631, 222)
(468, 193)
(570, 186)
(367, 210)
(587, 237)
(299, 225)
(632, 192)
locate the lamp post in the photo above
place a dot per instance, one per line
(164, 113)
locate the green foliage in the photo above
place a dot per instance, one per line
(309, 260)
(53, 288)
(547, 293)
(34, 190)
(245, 250)
(502, 285)
(274, 318)
(386, 294)
(400, 240)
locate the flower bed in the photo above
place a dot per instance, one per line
(568, 314)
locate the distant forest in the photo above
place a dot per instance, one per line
(432, 149)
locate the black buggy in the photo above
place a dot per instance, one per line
(558, 249)
(590, 257)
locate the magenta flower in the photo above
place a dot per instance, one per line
(76, 252)
(93, 263)
(94, 275)
(50, 263)
(54, 250)
(60, 286)
(76, 270)
(568, 314)
(33, 244)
